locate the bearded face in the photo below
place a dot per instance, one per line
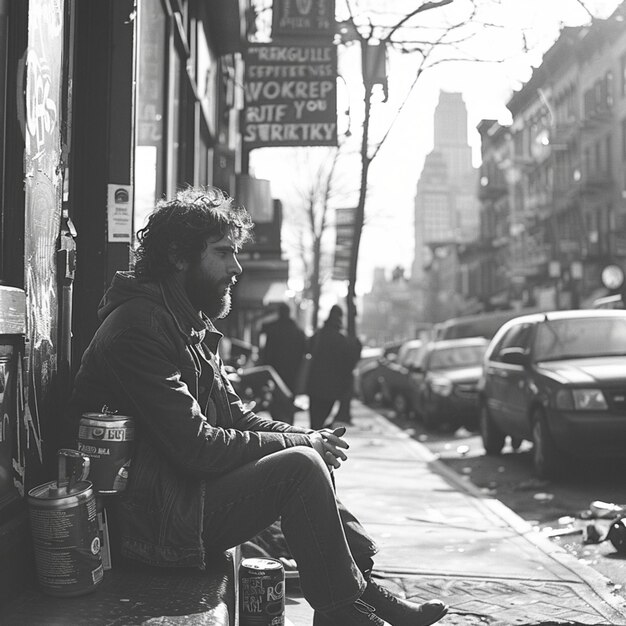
(208, 293)
(208, 281)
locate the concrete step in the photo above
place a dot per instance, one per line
(137, 594)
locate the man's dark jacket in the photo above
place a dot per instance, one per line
(153, 358)
(333, 356)
(285, 347)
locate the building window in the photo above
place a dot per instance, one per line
(607, 91)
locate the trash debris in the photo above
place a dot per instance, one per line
(543, 497)
(463, 450)
(529, 485)
(423, 438)
(592, 535)
(566, 519)
(466, 470)
(617, 535)
(606, 510)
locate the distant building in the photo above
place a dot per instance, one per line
(388, 311)
(553, 184)
(446, 211)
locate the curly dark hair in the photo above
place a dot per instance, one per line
(184, 225)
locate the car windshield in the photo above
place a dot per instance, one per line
(579, 338)
(461, 356)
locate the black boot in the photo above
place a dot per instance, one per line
(399, 612)
(356, 614)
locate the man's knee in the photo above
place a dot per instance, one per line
(303, 459)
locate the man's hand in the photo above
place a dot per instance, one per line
(330, 445)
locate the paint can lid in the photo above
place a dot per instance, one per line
(261, 564)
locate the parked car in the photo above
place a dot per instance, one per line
(395, 375)
(435, 381)
(370, 370)
(481, 325)
(557, 379)
(447, 375)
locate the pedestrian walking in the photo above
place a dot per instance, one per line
(284, 347)
(330, 373)
(208, 474)
(283, 350)
(344, 415)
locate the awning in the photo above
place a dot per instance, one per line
(275, 293)
(258, 292)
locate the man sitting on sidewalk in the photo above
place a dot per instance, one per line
(206, 473)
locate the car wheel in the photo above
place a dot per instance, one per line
(400, 405)
(493, 439)
(546, 458)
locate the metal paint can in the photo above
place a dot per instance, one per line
(261, 592)
(107, 439)
(64, 526)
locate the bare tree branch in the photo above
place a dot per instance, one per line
(427, 6)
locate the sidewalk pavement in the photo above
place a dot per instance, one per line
(440, 537)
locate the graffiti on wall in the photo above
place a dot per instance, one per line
(43, 192)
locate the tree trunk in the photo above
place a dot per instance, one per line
(359, 216)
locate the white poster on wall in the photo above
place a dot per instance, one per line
(120, 213)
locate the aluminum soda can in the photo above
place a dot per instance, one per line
(261, 592)
(107, 439)
(66, 537)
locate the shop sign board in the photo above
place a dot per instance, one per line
(303, 18)
(290, 95)
(344, 238)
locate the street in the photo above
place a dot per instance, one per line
(558, 509)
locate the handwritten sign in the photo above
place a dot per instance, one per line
(290, 96)
(344, 242)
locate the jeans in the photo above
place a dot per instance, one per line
(327, 542)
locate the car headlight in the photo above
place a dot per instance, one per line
(581, 400)
(441, 386)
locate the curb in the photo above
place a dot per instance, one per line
(597, 582)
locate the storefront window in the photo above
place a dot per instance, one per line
(150, 140)
(173, 118)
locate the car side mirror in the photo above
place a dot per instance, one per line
(514, 356)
